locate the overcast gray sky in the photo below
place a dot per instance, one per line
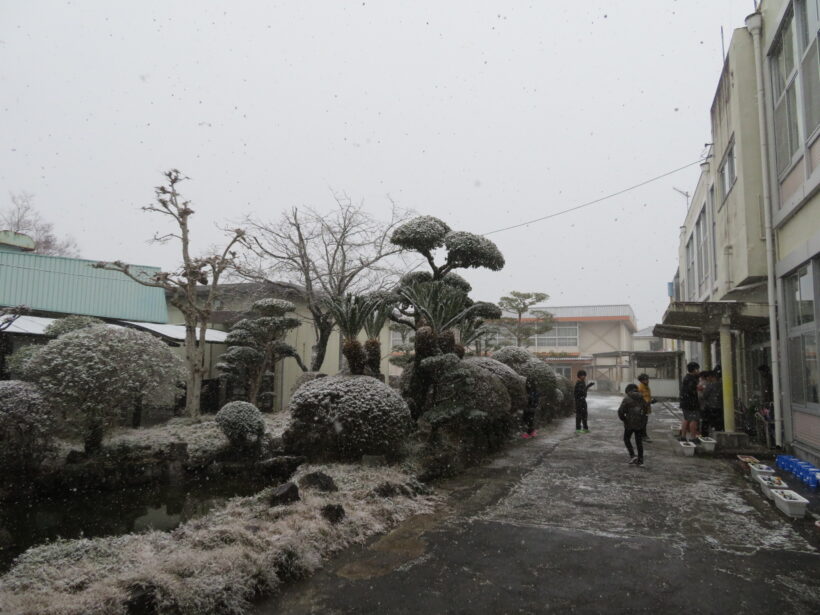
(484, 114)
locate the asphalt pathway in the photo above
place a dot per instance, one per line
(561, 524)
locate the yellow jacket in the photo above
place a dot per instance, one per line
(647, 394)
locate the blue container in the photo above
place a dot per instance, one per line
(811, 480)
(808, 474)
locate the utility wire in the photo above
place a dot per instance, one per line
(598, 200)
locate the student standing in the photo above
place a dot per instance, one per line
(632, 412)
(581, 388)
(646, 393)
(689, 403)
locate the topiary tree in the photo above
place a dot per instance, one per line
(242, 424)
(255, 345)
(97, 375)
(345, 417)
(61, 326)
(520, 328)
(434, 303)
(26, 431)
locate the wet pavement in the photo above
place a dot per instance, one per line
(561, 523)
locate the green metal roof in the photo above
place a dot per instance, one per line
(72, 286)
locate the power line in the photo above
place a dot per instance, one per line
(598, 200)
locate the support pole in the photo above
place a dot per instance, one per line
(727, 377)
(706, 353)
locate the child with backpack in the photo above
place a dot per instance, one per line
(632, 411)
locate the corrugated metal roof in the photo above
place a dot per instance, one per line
(72, 286)
(36, 325)
(587, 311)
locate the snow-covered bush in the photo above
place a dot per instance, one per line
(536, 370)
(512, 356)
(97, 375)
(306, 377)
(345, 417)
(241, 422)
(515, 383)
(471, 250)
(424, 233)
(26, 429)
(68, 324)
(469, 417)
(17, 361)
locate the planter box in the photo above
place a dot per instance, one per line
(688, 448)
(748, 459)
(770, 483)
(708, 444)
(760, 468)
(791, 503)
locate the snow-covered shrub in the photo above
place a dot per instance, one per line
(469, 416)
(68, 324)
(424, 233)
(345, 417)
(532, 368)
(97, 375)
(241, 422)
(306, 377)
(544, 378)
(26, 429)
(17, 361)
(512, 356)
(471, 250)
(515, 383)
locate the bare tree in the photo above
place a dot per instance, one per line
(325, 256)
(185, 283)
(22, 217)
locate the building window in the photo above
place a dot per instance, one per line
(714, 231)
(802, 332)
(563, 370)
(784, 90)
(702, 240)
(690, 270)
(800, 298)
(727, 171)
(564, 335)
(808, 23)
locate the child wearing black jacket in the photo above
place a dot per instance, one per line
(632, 411)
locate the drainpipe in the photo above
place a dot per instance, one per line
(754, 24)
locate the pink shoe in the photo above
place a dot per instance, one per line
(526, 435)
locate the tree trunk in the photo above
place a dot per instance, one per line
(320, 349)
(193, 380)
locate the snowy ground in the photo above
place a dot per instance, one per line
(561, 524)
(213, 564)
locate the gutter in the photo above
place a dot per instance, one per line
(754, 24)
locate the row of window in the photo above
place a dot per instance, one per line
(795, 76)
(802, 333)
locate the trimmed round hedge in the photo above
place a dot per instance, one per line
(516, 385)
(345, 417)
(241, 422)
